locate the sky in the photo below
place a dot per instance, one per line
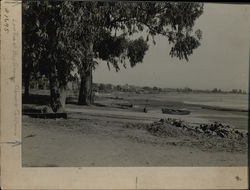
(222, 60)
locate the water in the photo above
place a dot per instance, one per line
(233, 101)
(238, 120)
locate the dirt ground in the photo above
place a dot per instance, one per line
(87, 139)
(115, 133)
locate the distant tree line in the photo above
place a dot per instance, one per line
(215, 90)
(43, 84)
(100, 87)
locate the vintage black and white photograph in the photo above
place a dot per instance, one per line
(134, 84)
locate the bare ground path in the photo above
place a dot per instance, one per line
(133, 116)
(98, 138)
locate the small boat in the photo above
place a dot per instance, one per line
(175, 111)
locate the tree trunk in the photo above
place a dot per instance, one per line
(26, 85)
(85, 93)
(57, 92)
(63, 95)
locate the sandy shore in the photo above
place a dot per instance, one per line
(83, 141)
(109, 135)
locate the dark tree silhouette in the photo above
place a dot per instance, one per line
(172, 20)
(70, 35)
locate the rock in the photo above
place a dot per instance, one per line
(183, 126)
(221, 134)
(204, 127)
(214, 133)
(200, 130)
(213, 128)
(162, 120)
(207, 132)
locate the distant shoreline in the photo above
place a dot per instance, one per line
(218, 108)
(223, 109)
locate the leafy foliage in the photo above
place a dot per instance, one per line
(63, 30)
(63, 36)
(136, 51)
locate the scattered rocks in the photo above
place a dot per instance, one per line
(213, 137)
(174, 122)
(213, 129)
(167, 128)
(221, 130)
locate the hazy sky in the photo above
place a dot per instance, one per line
(220, 62)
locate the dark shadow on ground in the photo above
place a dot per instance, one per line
(36, 99)
(74, 101)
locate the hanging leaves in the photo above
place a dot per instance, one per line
(62, 32)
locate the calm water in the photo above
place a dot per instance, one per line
(235, 101)
(221, 100)
(237, 120)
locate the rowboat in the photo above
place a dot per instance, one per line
(175, 111)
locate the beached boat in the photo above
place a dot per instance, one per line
(175, 111)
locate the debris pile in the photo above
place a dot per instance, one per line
(176, 128)
(213, 137)
(213, 129)
(169, 127)
(175, 122)
(219, 129)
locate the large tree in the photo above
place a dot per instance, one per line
(171, 20)
(30, 48)
(74, 34)
(90, 40)
(44, 47)
(114, 50)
